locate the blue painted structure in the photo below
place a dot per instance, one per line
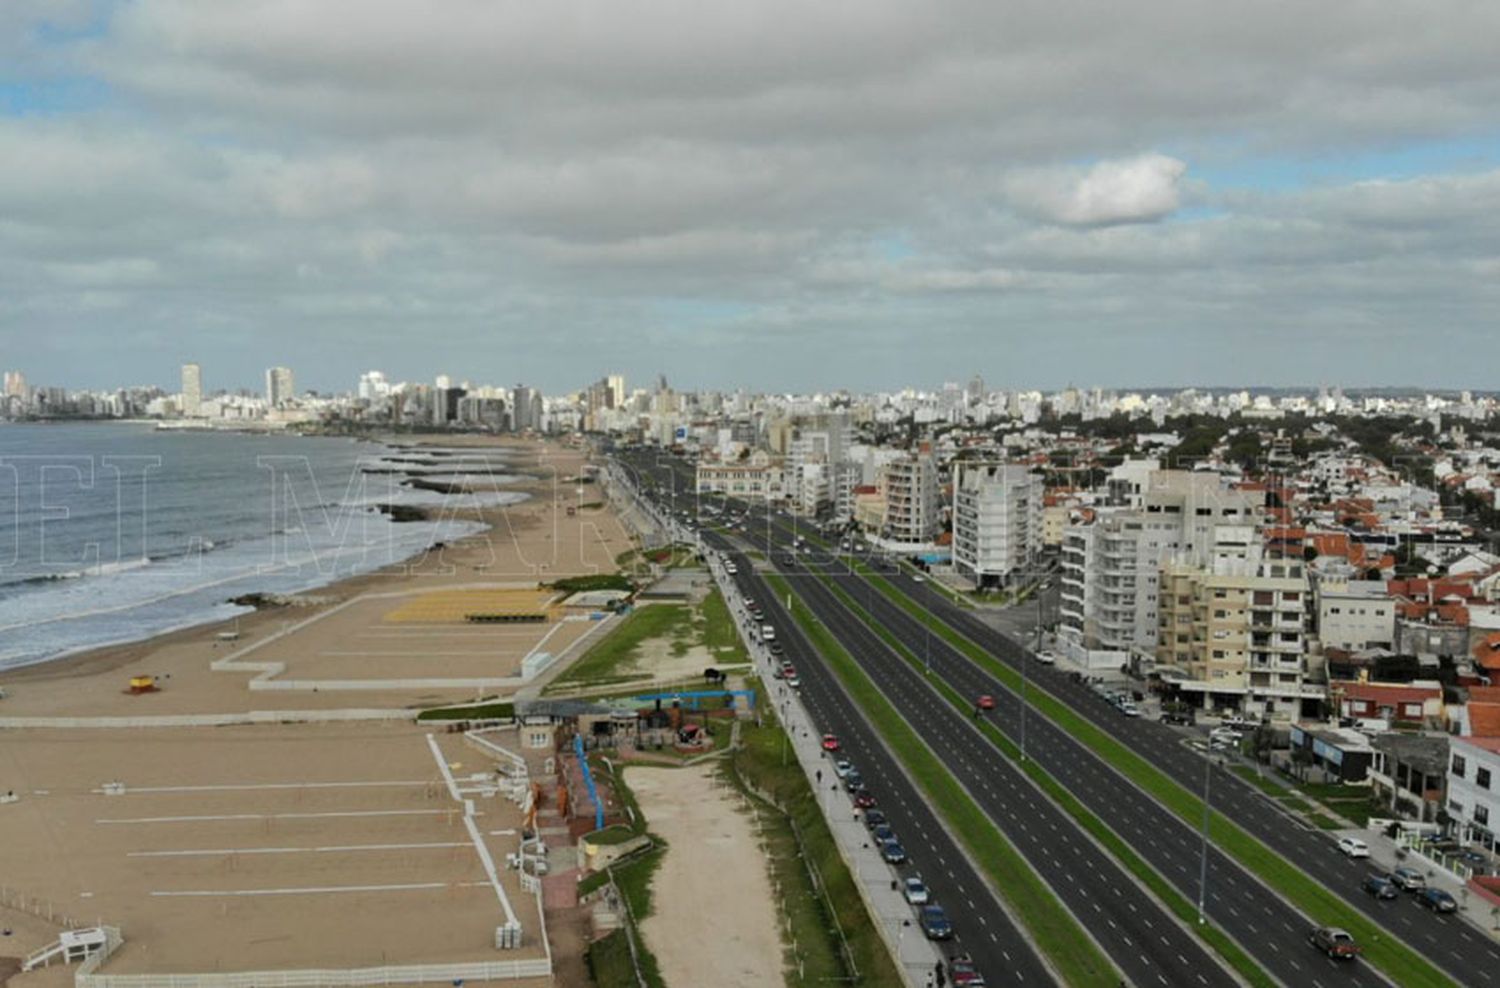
(588, 781)
(695, 696)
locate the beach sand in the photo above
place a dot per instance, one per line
(54, 849)
(528, 543)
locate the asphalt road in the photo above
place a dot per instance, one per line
(1268, 927)
(1133, 928)
(982, 929)
(1449, 942)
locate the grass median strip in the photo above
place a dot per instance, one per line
(1396, 959)
(1076, 958)
(1218, 940)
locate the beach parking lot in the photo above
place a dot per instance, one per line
(238, 849)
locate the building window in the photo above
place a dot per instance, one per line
(1459, 766)
(1482, 777)
(1482, 815)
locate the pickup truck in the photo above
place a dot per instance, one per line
(1337, 944)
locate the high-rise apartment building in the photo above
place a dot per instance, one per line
(1233, 635)
(616, 384)
(192, 390)
(280, 386)
(912, 500)
(997, 522)
(1110, 575)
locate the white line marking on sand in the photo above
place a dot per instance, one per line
(273, 816)
(323, 890)
(330, 849)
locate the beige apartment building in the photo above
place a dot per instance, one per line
(1233, 636)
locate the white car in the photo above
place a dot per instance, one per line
(1354, 847)
(1046, 657)
(918, 578)
(842, 767)
(1130, 710)
(915, 892)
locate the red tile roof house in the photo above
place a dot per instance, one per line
(1392, 702)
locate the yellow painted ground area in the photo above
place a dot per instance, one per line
(452, 606)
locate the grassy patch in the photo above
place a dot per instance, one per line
(611, 659)
(611, 836)
(1217, 940)
(483, 711)
(718, 633)
(1402, 964)
(1257, 780)
(609, 962)
(597, 581)
(832, 937)
(1073, 955)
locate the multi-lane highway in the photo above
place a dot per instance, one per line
(1264, 923)
(982, 928)
(1448, 941)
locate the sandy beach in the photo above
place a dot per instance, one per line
(525, 544)
(370, 785)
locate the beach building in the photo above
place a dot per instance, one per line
(997, 522)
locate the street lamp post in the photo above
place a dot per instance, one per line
(1041, 587)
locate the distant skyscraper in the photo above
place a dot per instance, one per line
(280, 386)
(192, 390)
(443, 382)
(373, 385)
(15, 384)
(616, 384)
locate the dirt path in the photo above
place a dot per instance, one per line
(714, 919)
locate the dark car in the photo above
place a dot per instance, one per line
(1437, 900)
(875, 818)
(854, 781)
(1380, 886)
(882, 833)
(935, 923)
(776, 648)
(893, 852)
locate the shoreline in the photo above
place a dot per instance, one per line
(497, 521)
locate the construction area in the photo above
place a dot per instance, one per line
(235, 849)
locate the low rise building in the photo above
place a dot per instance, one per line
(1409, 772)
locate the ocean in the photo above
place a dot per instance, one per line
(115, 532)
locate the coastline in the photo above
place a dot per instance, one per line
(499, 522)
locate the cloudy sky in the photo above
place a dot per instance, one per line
(774, 194)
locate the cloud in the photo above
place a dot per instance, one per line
(1128, 190)
(440, 188)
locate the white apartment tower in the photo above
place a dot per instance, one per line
(1111, 568)
(280, 386)
(192, 390)
(997, 521)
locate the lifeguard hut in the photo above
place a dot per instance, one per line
(142, 684)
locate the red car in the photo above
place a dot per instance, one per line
(986, 702)
(830, 742)
(864, 799)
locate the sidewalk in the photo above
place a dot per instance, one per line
(1481, 914)
(895, 919)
